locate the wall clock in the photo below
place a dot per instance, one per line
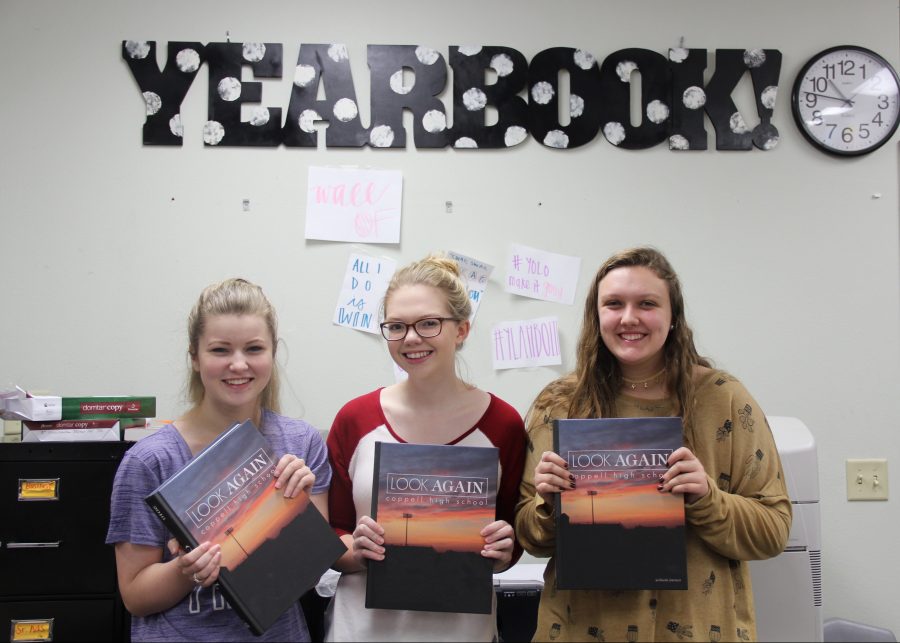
(846, 100)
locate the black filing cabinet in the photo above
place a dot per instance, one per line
(58, 578)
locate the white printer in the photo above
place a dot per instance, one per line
(787, 589)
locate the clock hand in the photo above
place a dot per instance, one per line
(843, 100)
(837, 89)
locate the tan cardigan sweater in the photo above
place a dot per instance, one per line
(745, 516)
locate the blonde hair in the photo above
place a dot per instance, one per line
(437, 270)
(232, 297)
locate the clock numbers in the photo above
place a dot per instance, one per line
(845, 100)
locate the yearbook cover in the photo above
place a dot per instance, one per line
(615, 530)
(273, 548)
(433, 501)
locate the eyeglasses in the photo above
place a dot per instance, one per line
(394, 331)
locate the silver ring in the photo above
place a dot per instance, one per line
(197, 580)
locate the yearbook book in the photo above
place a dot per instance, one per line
(273, 548)
(615, 530)
(433, 501)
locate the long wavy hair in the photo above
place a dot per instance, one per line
(592, 388)
(232, 297)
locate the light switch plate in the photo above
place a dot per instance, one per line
(867, 479)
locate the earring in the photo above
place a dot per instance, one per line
(672, 327)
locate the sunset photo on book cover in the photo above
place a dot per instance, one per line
(615, 529)
(616, 478)
(436, 500)
(242, 509)
(433, 501)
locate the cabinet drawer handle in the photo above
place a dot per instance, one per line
(33, 545)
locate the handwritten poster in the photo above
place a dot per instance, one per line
(348, 204)
(530, 342)
(541, 275)
(365, 281)
(476, 274)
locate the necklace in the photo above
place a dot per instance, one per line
(634, 384)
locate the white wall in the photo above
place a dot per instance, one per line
(790, 265)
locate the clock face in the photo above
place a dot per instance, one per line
(846, 100)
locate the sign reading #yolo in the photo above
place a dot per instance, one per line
(541, 275)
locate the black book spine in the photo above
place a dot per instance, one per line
(375, 481)
(237, 604)
(162, 509)
(557, 507)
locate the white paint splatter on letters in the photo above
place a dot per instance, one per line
(556, 138)
(678, 54)
(426, 55)
(137, 49)
(614, 132)
(254, 51)
(693, 97)
(259, 116)
(338, 53)
(584, 59)
(434, 121)
(737, 124)
(754, 57)
(502, 64)
(514, 135)
(397, 83)
(307, 120)
(657, 111)
(768, 96)
(153, 102)
(345, 110)
(381, 136)
(176, 127)
(624, 70)
(229, 88)
(474, 99)
(213, 132)
(469, 50)
(187, 60)
(678, 142)
(465, 143)
(304, 75)
(576, 106)
(542, 92)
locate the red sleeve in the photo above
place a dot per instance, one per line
(356, 419)
(508, 434)
(341, 511)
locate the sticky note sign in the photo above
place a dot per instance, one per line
(44, 489)
(525, 343)
(356, 205)
(476, 274)
(365, 282)
(32, 630)
(541, 275)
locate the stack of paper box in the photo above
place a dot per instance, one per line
(53, 418)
